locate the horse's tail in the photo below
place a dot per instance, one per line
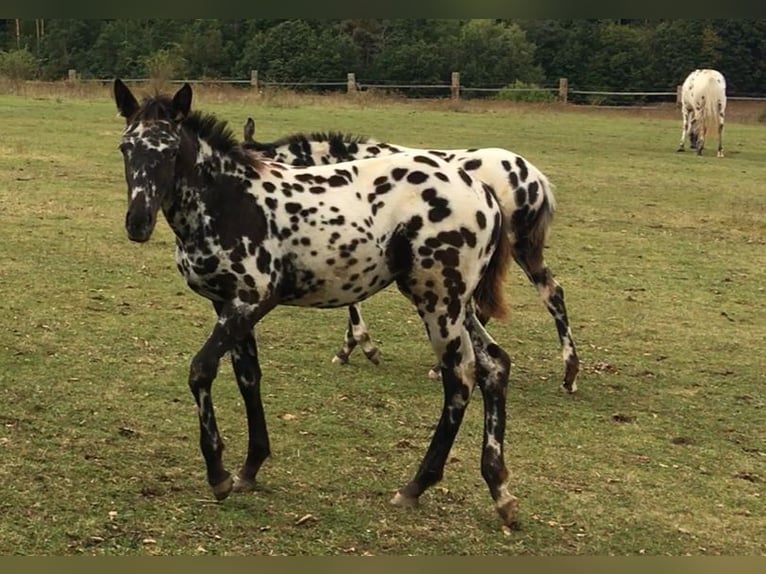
(715, 103)
(489, 295)
(537, 232)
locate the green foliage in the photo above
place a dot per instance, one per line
(18, 65)
(296, 50)
(490, 52)
(623, 61)
(166, 64)
(119, 50)
(203, 48)
(674, 49)
(607, 55)
(68, 44)
(415, 52)
(520, 91)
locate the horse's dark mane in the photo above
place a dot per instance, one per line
(218, 135)
(330, 137)
(206, 126)
(337, 136)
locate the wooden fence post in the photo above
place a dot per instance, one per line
(72, 75)
(563, 90)
(455, 86)
(351, 83)
(678, 95)
(254, 79)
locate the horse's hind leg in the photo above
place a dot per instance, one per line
(453, 345)
(720, 131)
(684, 128)
(530, 258)
(356, 333)
(467, 353)
(434, 372)
(492, 371)
(244, 360)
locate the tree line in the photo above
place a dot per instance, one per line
(611, 55)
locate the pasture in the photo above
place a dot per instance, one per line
(662, 450)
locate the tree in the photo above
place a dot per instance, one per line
(623, 62)
(496, 53)
(66, 45)
(741, 54)
(415, 52)
(294, 50)
(202, 47)
(18, 65)
(119, 50)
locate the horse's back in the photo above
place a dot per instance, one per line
(349, 229)
(704, 83)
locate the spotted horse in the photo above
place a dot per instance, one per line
(524, 192)
(703, 108)
(252, 234)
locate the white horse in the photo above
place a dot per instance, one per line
(703, 105)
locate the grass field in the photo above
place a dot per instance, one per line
(662, 451)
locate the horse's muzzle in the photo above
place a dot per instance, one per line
(139, 226)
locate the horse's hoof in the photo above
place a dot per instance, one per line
(223, 488)
(508, 509)
(569, 386)
(435, 374)
(404, 501)
(373, 356)
(340, 359)
(243, 485)
(680, 150)
(570, 376)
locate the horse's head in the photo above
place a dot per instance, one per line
(694, 133)
(150, 145)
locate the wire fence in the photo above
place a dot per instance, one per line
(563, 92)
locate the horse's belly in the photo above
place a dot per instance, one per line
(336, 279)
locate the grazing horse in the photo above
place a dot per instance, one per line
(253, 234)
(524, 193)
(703, 107)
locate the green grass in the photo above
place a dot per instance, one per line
(662, 450)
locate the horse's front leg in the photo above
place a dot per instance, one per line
(244, 360)
(357, 333)
(232, 325)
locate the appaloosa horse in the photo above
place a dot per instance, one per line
(253, 234)
(703, 107)
(523, 190)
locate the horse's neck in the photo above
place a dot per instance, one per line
(183, 211)
(184, 208)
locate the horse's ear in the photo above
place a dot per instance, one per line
(182, 102)
(250, 130)
(123, 97)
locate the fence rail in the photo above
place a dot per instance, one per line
(561, 92)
